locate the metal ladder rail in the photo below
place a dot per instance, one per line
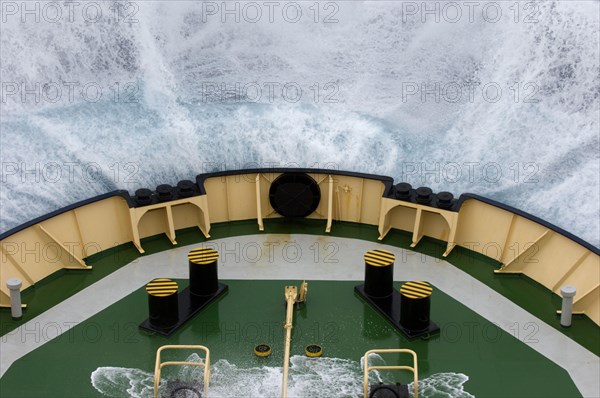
(388, 367)
(159, 365)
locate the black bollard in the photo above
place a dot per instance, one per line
(163, 303)
(402, 191)
(379, 273)
(143, 197)
(185, 188)
(424, 195)
(164, 192)
(445, 200)
(415, 304)
(204, 280)
(169, 311)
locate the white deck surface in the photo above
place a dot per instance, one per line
(294, 257)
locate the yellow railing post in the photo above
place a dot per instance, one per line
(387, 367)
(159, 365)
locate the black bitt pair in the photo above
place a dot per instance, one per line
(408, 309)
(170, 309)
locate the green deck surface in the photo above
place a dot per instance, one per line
(520, 289)
(252, 312)
(497, 364)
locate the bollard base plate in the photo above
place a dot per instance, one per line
(189, 305)
(389, 307)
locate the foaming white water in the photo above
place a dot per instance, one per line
(535, 146)
(315, 378)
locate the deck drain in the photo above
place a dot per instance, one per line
(313, 350)
(262, 350)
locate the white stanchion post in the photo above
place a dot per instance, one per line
(14, 285)
(567, 292)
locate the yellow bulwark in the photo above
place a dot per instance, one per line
(416, 289)
(379, 258)
(203, 256)
(161, 287)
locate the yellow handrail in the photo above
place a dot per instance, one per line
(159, 365)
(387, 367)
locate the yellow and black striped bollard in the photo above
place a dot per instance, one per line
(415, 304)
(379, 273)
(163, 303)
(204, 279)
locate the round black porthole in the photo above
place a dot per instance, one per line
(294, 195)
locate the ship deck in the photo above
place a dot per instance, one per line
(487, 335)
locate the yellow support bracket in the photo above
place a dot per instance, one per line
(82, 263)
(526, 249)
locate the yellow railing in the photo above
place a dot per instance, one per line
(160, 365)
(388, 367)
